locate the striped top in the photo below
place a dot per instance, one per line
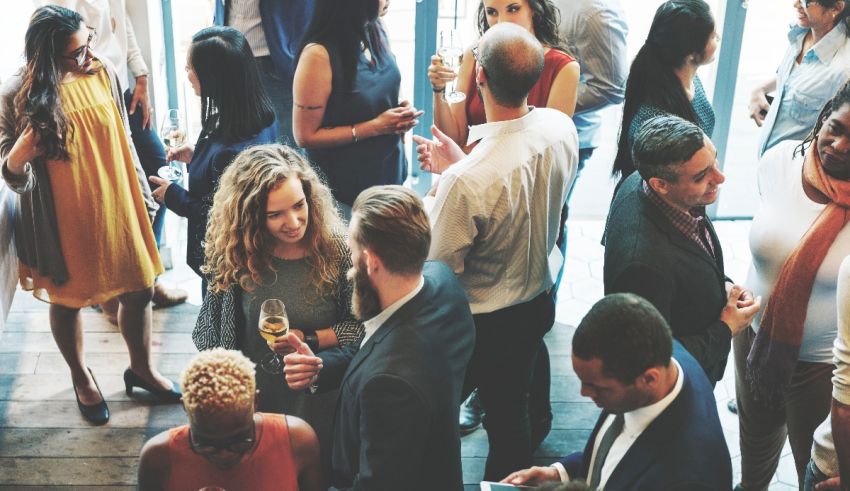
(244, 15)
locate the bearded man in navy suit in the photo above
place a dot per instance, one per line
(396, 423)
(659, 428)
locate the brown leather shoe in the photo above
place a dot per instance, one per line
(168, 297)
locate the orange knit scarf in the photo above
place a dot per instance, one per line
(776, 347)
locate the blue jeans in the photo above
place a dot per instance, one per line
(813, 476)
(280, 93)
(151, 154)
(583, 156)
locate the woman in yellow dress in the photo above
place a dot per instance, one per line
(79, 231)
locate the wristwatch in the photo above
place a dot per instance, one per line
(311, 340)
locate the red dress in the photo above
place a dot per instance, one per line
(269, 466)
(553, 61)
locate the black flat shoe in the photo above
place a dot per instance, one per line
(96, 413)
(166, 395)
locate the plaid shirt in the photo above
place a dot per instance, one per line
(693, 225)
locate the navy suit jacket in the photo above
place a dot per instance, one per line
(284, 24)
(683, 449)
(396, 423)
(211, 158)
(646, 255)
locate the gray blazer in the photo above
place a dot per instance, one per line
(36, 231)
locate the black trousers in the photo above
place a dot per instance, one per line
(507, 343)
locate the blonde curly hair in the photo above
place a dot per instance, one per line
(238, 245)
(218, 381)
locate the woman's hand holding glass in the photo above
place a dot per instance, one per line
(183, 153)
(281, 344)
(24, 150)
(439, 74)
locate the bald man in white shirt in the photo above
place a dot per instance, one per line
(495, 220)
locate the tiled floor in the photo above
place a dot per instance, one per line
(583, 287)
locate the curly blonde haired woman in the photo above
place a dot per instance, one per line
(274, 232)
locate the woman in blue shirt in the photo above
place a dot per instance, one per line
(236, 114)
(663, 76)
(346, 110)
(815, 65)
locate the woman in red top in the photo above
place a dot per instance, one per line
(226, 444)
(558, 84)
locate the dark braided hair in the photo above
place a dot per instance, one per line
(840, 98)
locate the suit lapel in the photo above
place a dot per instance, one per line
(648, 445)
(398, 318)
(588, 448)
(679, 239)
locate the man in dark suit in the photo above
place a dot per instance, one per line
(397, 416)
(660, 244)
(659, 428)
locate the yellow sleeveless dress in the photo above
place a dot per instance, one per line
(104, 232)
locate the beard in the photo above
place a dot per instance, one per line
(365, 303)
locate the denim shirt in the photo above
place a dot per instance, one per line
(802, 90)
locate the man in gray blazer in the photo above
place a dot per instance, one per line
(659, 243)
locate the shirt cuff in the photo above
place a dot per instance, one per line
(562, 471)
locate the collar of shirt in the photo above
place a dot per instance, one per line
(481, 131)
(687, 223)
(372, 325)
(825, 49)
(634, 422)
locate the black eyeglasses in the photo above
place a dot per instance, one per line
(238, 444)
(807, 2)
(80, 58)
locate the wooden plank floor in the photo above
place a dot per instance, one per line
(45, 442)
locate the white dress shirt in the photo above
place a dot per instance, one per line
(372, 325)
(634, 424)
(497, 211)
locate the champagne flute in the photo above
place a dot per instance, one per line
(173, 134)
(273, 323)
(450, 53)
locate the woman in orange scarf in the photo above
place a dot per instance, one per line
(798, 239)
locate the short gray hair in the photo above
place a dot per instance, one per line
(663, 143)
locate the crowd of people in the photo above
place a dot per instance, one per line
(411, 320)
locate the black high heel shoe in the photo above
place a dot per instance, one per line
(96, 413)
(166, 395)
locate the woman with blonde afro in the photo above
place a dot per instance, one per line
(226, 441)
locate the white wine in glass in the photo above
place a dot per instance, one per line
(450, 53)
(273, 324)
(173, 134)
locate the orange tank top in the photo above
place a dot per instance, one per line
(553, 62)
(269, 466)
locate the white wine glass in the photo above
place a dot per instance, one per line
(273, 324)
(173, 134)
(450, 53)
